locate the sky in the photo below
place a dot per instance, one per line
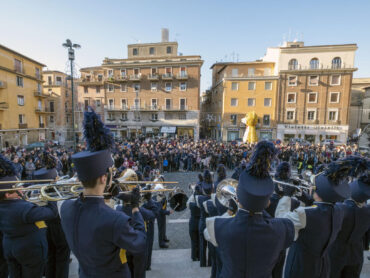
(217, 30)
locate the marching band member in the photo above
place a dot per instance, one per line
(161, 222)
(23, 228)
(240, 239)
(221, 174)
(346, 254)
(316, 227)
(58, 251)
(98, 235)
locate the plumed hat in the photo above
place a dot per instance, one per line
(360, 188)
(49, 171)
(97, 159)
(255, 184)
(8, 172)
(282, 173)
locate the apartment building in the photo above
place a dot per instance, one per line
(154, 91)
(239, 88)
(57, 85)
(22, 101)
(314, 91)
(359, 116)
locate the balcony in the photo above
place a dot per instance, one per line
(182, 75)
(167, 76)
(44, 110)
(4, 105)
(22, 126)
(135, 77)
(91, 81)
(41, 125)
(176, 108)
(136, 107)
(153, 76)
(153, 107)
(122, 78)
(117, 109)
(40, 94)
(2, 85)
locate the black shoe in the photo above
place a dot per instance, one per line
(163, 246)
(166, 240)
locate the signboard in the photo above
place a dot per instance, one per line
(168, 129)
(313, 127)
(111, 126)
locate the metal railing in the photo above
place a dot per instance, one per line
(135, 76)
(167, 76)
(182, 75)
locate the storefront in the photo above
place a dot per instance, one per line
(265, 134)
(168, 131)
(233, 134)
(312, 133)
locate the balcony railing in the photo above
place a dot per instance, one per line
(112, 108)
(122, 77)
(182, 75)
(40, 94)
(22, 126)
(44, 110)
(135, 76)
(176, 108)
(153, 76)
(41, 125)
(167, 76)
(319, 67)
(4, 105)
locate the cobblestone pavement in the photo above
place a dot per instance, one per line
(175, 261)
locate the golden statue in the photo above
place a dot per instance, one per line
(250, 122)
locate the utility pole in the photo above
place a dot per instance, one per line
(71, 56)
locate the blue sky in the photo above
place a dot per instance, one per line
(213, 29)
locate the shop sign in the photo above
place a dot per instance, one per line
(233, 129)
(312, 127)
(168, 129)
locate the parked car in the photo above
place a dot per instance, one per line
(35, 145)
(328, 142)
(300, 141)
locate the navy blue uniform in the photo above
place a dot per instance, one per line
(161, 221)
(199, 199)
(346, 254)
(316, 228)
(99, 236)
(24, 236)
(194, 227)
(3, 265)
(249, 244)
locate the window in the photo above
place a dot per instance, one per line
(290, 114)
(136, 87)
(21, 100)
(168, 103)
(100, 77)
(182, 103)
(169, 50)
(234, 102)
(313, 80)
(267, 101)
(111, 117)
(51, 106)
(52, 119)
(154, 103)
(168, 87)
(154, 86)
(233, 119)
(50, 80)
(41, 119)
(137, 117)
(86, 106)
(137, 103)
(154, 71)
(39, 87)
(291, 97)
(312, 97)
(124, 103)
(39, 104)
(251, 86)
(98, 89)
(123, 72)
(123, 87)
(335, 79)
(22, 118)
(19, 81)
(251, 72)
(293, 64)
(111, 103)
(110, 88)
(18, 67)
(168, 116)
(135, 51)
(333, 115)
(151, 51)
(97, 102)
(182, 116)
(66, 106)
(110, 73)
(234, 86)
(58, 80)
(311, 115)
(314, 63)
(168, 72)
(268, 86)
(234, 72)
(266, 120)
(136, 72)
(334, 97)
(292, 80)
(336, 63)
(266, 71)
(124, 116)
(251, 101)
(154, 117)
(183, 86)
(37, 73)
(369, 116)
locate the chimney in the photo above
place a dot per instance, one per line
(165, 35)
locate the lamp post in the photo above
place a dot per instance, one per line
(71, 56)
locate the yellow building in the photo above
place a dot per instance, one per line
(239, 88)
(59, 124)
(22, 101)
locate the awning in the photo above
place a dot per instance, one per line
(168, 129)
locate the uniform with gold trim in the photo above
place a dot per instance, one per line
(249, 243)
(316, 227)
(97, 234)
(347, 252)
(23, 228)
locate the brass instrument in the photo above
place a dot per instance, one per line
(301, 187)
(226, 190)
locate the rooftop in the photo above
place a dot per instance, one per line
(21, 55)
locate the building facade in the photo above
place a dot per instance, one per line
(23, 104)
(154, 92)
(59, 123)
(239, 88)
(314, 90)
(359, 116)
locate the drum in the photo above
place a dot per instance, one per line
(178, 199)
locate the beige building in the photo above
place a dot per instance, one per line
(155, 91)
(59, 123)
(23, 105)
(315, 90)
(359, 116)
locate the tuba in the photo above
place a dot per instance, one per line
(226, 190)
(128, 175)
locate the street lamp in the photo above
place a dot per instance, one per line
(71, 56)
